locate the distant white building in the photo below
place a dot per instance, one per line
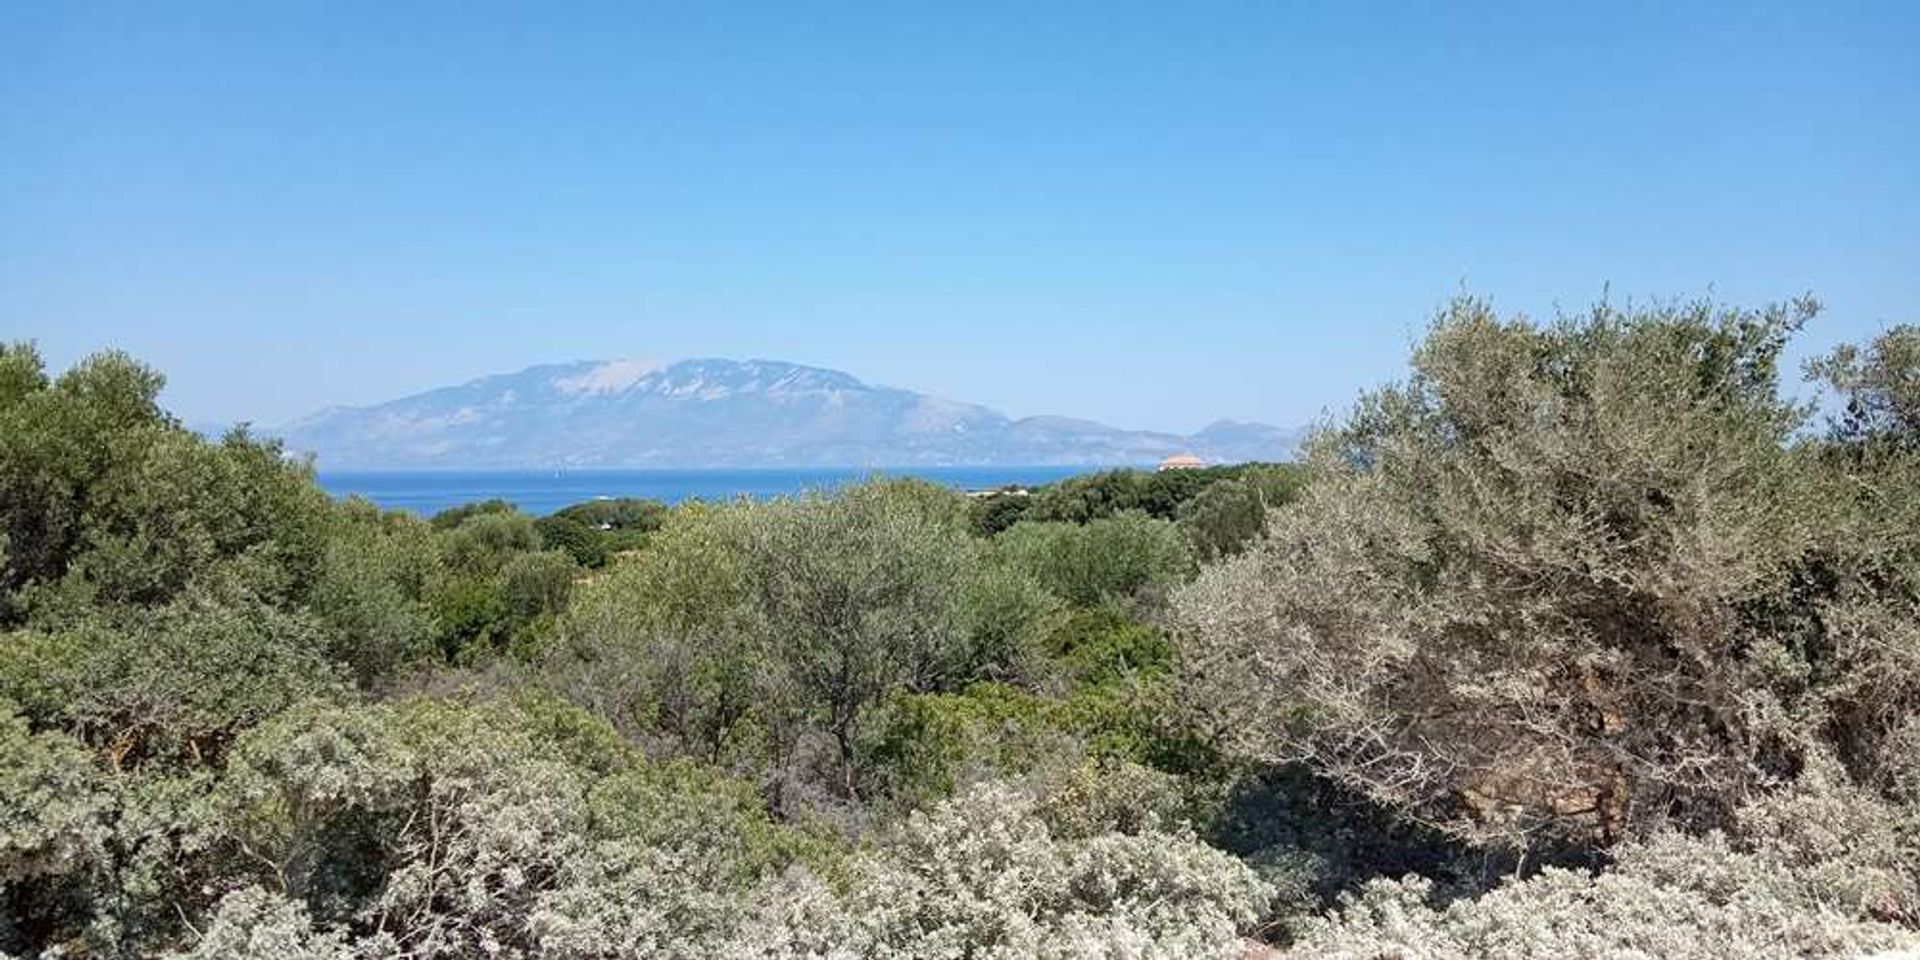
(1182, 461)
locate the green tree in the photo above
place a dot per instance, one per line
(106, 499)
(796, 615)
(668, 642)
(1097, 496)
(619, 513)
(861, 594)
(537, 584)
(484, 542)
(371, 590)
(1127, 558)
(1879, 387)
(477, 612)
(453, 517)
(586, 545)
(1223, 518)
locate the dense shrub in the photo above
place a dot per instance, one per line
(1129, 558)
(982, 875)
(170, 685)
(1160, 494)
(1566, 584)
(586, 545)
(748, 627)
(371, 590)
(105, 499)
(1819, 870)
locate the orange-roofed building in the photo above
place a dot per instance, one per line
(1182, 461)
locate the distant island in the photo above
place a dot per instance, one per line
(730, 413)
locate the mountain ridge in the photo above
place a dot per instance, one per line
(719, 412)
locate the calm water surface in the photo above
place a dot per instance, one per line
(543, 491)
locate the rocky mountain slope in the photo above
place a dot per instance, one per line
(727, 413)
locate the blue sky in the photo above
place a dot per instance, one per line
(1151, 214)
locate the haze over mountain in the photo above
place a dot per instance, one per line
(727, 413)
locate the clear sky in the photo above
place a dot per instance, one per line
(1154, 214)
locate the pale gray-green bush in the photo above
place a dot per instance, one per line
(254, 924)
(981, 875)
(1567, 583)
(434, 830)
(1822, 869)
(1112, 796)
(53, 803)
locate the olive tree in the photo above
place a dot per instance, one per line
(1561, 585)
(1871, 556)
(1127, 558)
(104, 498)
(667, 643)
(861, 593)
(1879, 387)
(793, 617)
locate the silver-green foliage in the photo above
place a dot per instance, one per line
(53, 803)
(489, 836)
(1820, 870)
(500, 845)
(1566, 582)
(983, 875)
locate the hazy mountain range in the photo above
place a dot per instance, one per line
(727, 413)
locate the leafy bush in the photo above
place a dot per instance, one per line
(1224, 517)
(797, 616)
(106, 499)
(586, 545)
(1128, 558)
(981, 875)
(171, 685)
(370, 591)
(1818, 870)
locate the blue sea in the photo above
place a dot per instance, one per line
(540, 492)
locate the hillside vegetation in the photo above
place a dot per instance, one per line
(1583, 641)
